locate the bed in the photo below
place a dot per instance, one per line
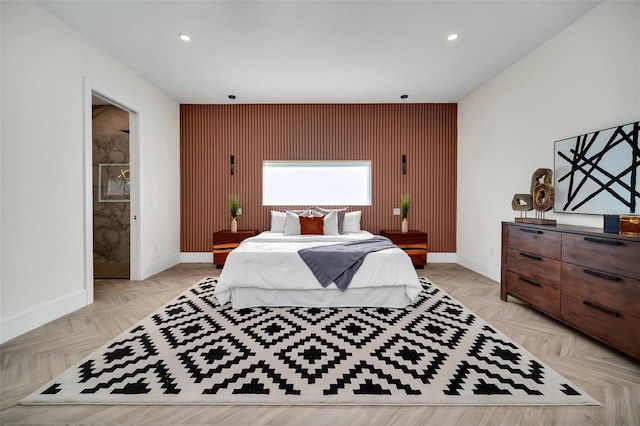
(266, 270)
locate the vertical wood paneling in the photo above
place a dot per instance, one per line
(381, 133)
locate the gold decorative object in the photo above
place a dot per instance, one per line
(541, 176)
(522, 202)
(543, 197)
(540, 199)
(630, 225)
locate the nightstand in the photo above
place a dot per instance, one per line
(225, 241)
(412, 242)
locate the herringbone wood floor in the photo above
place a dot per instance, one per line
(31, 360)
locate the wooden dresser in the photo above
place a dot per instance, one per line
(581, 276)
(225, 241)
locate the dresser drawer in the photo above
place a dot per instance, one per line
(227, 237)
(539, 268)
(225, 241)
(414, 243)
(603, 288)
(539, 295)
(532, 240)
(603, 253)
(619, 331)
(220, 256)
(596, 288)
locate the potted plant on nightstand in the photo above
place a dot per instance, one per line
(404, 210)
(234, 209)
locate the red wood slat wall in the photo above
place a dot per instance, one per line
(381, 133)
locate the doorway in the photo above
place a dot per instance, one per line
(92, 92)
(111, 174)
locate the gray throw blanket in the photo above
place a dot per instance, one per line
(339, 262)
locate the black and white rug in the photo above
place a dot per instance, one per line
(194, 351)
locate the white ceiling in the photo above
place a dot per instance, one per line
(318, 51)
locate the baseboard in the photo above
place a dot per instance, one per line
(480, 268)
(40, 315)
(442, 258)
(191, 257)
(161, 265)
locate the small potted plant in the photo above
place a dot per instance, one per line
(234, 209)
(404, 211)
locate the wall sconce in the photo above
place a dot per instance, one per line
(233, 164)
(404, 164)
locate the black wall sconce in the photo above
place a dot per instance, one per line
(233, 164)
(404, 164)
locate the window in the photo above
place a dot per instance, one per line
(324, 183)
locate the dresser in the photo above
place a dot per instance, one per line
(225, 241)
(414, 243)
(581, 276)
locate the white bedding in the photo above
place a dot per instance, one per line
(270, 261)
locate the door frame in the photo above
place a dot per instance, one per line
(135, 270)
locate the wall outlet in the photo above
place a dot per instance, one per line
(396, 211)
(240, 211)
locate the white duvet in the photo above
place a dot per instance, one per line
(270, 260)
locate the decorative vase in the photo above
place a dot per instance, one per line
(234, 225)
(405, 225)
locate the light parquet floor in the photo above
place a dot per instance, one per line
(29, 361)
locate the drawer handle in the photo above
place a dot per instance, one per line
(601, 275)
(601, 309)
(602, 241)
(530, 256)
(528, 281)
(531, 231)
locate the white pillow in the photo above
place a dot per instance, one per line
(330, 225)
(278, 221)
(352, 221)
(293, 224)
(339, 212)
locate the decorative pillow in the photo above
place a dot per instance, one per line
(340, 213)
(352, 221)
(331, 223)
(298, 212)
(312, 213)
(292, 226)
(311, 225)
(278, 221)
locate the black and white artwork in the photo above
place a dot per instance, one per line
(597, 173)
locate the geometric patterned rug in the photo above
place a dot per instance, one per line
(194, 351)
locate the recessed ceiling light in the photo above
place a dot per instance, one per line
(404, 96)
(452, 37)
(184, 37)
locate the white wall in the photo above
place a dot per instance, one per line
(584, 79)
(43, 65)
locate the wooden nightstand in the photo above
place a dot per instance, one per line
(413, 242)
(225, 241)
